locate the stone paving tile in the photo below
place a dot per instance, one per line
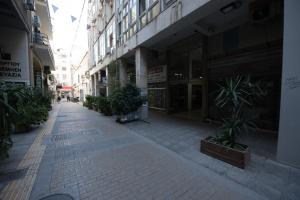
(263, 175)
(96, 158)
(21, 188)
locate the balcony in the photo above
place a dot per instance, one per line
(42, 10)
(42, 48)
(103, 82)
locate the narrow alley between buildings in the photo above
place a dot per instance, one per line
(89, 156)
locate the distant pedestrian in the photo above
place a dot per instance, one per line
(58, 99)
(68, 98)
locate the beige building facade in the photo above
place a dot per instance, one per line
(26, 55)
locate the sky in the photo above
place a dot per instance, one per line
(67, 33)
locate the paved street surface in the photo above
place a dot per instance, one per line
(263, 175)
(89, 156)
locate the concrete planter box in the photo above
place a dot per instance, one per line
(95, 107)
(22, 129)
(232, 156)
(133, 116)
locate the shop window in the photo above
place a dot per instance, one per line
(197, 64)
(231, 40)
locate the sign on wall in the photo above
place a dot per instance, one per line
(157, 74)
(10, 70)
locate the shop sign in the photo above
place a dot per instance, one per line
(10, 70)
(157, 74)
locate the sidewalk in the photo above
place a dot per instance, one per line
(86, 155)
(263, 175)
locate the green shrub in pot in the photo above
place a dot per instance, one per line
(104, 105)
(126, 100)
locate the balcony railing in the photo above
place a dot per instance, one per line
(103, 81)
(40, 38)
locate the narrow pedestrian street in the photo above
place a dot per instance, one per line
(88, 156)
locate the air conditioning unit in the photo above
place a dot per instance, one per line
(263, 10)
(30, 5)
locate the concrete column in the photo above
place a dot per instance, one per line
(123, 76)
(92, 85)
(107, 81)
(95, 84)
(289, 126)
(190, 97)
(141, 77)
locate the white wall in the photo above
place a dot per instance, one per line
(289, 128)
(15, 42)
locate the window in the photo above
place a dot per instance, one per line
(143, 5)
(119, 29)
(110, 38)
(64, 76)
(102, 45)
(132, 11)
(64, 68)
(96, 52)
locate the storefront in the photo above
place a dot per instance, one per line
(14, 61)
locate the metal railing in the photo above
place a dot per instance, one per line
(40, 38)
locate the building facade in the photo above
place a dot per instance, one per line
(26, 55)
(62, 72)
(80, 79)
(176, 51)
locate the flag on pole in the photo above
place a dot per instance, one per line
(55, 8)
(73, 18)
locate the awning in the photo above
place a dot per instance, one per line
(66, 88)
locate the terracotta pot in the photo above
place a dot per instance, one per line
(232, 156)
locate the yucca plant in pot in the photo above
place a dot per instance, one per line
(235, 97)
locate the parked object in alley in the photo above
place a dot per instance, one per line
(235, 97)
(125, 103)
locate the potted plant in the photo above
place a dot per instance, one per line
(125, 102)
(104, 106)
(32, 110)
(235, 97)
(10, 94)
(89, 102)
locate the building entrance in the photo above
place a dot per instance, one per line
(178, 98)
